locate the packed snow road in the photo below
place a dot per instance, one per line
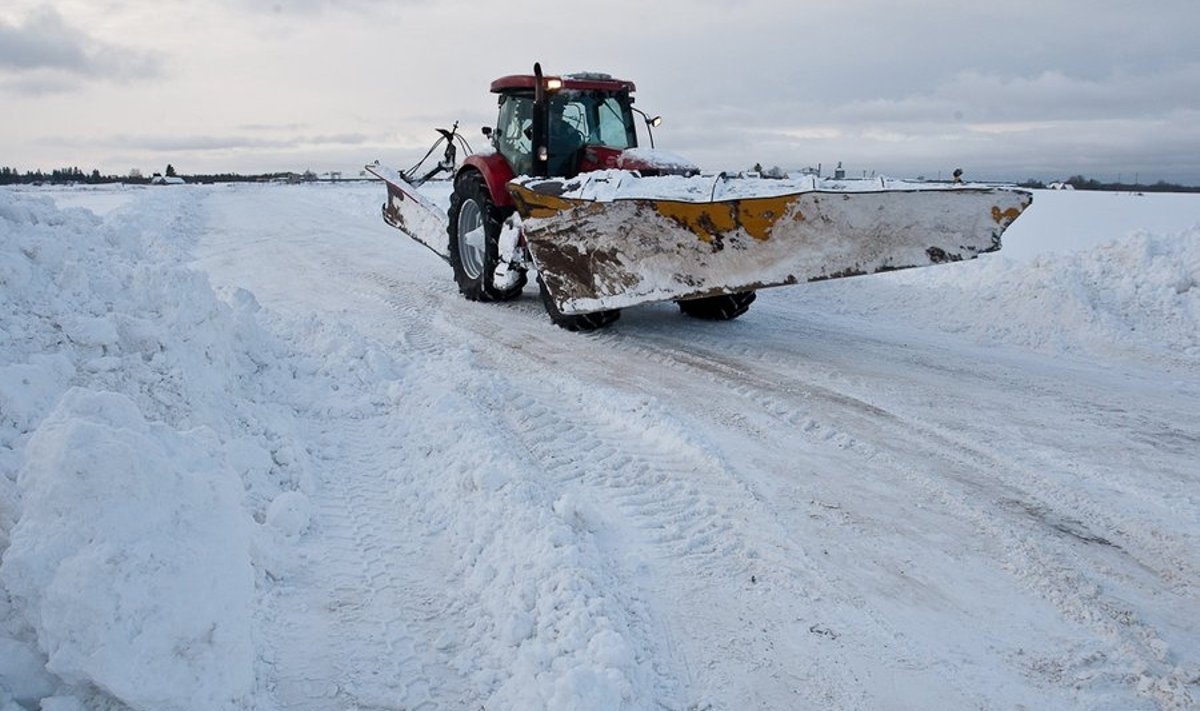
(793, 510)
(930, 489)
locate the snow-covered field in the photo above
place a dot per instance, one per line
(256, 453)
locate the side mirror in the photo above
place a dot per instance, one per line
(487, 131)
(652, 122)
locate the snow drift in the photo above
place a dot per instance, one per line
(134, 460)
(1135, 297)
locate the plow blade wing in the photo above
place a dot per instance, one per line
(596, 255)
(412, 213)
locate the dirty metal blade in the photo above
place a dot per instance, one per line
(412, 213)
(600, 255)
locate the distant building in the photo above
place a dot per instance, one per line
(159, 179)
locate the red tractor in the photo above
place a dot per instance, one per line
(533, 199)
(549, 127)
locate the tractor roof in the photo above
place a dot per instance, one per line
(589, 81)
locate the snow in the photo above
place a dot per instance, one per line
(609, 185)
(257, 453)
(132, 557)
(641, 158)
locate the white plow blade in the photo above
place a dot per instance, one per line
(412, 213)
(597, 255)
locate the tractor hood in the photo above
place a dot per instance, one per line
(649, 161)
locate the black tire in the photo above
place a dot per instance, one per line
(724, 307)
(576, 322)
(474, 261)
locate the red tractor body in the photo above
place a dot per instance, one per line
(565, 125)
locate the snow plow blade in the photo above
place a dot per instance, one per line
(412, 213)
(597, 250)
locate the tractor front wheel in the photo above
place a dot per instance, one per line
(474, 232)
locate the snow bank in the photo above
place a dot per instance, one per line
(131, 557)
(1138, 296)
(1062, 222)
(134, 460)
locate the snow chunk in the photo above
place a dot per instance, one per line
(29, 390)
(636, 158)
(290, 513)
(22, 672)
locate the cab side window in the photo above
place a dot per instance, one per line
(516, 116)
(614, 124)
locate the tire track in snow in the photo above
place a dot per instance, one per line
(1000, 509)
(1045, 564)
(1003, 513)
(382, 601)
(703, 529)
(965, 483)
(353, 608)
(489, 647)
(1018, 478)
(662, 490)
(412, 306)
(356, 626)
(1075, 569)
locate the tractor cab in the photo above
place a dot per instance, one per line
(563, 126)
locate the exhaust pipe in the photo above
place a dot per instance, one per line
(541, 125)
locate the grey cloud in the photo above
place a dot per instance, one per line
(341, 139)
(268, 127)
(841, 53)
(1023, 87)
(46, 54)
(40, 83)
(1055, 95)
(286, 8)
(989, 98)
(926, 139)
(43, 41)
(170, 144)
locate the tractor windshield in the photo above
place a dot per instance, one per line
(601, 119)
(577, 119)
(586, 118)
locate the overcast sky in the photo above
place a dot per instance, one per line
(1007, 89)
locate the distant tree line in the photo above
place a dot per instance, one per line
(1081, 183)
(73, 175)
(8, 176)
